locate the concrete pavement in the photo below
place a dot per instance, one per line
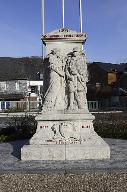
(10, 160)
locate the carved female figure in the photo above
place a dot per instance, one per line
(53, 97)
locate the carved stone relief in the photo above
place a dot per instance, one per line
(65, 130)
(53, 97)
(76, 75)
(67, 81)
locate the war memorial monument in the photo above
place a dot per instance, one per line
(65, 126)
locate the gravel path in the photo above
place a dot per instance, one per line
(52, 182)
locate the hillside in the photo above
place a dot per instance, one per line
(20, 68)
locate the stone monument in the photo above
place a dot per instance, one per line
(65, 126)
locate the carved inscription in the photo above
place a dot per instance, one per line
(85, 126)
(64, 33)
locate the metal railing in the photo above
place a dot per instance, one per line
(93, 105)
(19, 105)
(34, 105)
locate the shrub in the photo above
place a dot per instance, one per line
(106, 125)
(19, 128)
(13, 110)
(111, 125)
(3, 138)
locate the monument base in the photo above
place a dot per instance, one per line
(66, 151)
(65, 137)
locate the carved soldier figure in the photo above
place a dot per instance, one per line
(76, 74)
(53, 96)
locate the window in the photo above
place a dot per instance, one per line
(3, 86)
(34, 89)
(17, 86)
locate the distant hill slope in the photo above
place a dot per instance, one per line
(28, 67)
(20, 68)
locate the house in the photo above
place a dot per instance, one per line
(21, 82)
(105, 73)
(107, 84)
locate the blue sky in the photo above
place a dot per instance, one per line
(105, 22)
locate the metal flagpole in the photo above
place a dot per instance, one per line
(43, 26)
(81, 25)
(63, 13)
(81, 18)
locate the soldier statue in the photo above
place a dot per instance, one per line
(76, 75)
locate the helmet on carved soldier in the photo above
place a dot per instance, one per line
(76, 49)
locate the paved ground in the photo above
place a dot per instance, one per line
(79, 176)
(10, 160)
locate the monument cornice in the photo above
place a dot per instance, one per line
(64, 34)
(65, 117)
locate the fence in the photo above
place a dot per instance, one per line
(19, 105)
(93, 105)
(34, 105)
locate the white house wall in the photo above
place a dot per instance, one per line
(11, 86)
(35, 83)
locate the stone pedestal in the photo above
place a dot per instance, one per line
(65, 137)
(66, 152)
(65, 127)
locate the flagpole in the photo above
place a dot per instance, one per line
(63, 13)
(81, 20)
(43, 26)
